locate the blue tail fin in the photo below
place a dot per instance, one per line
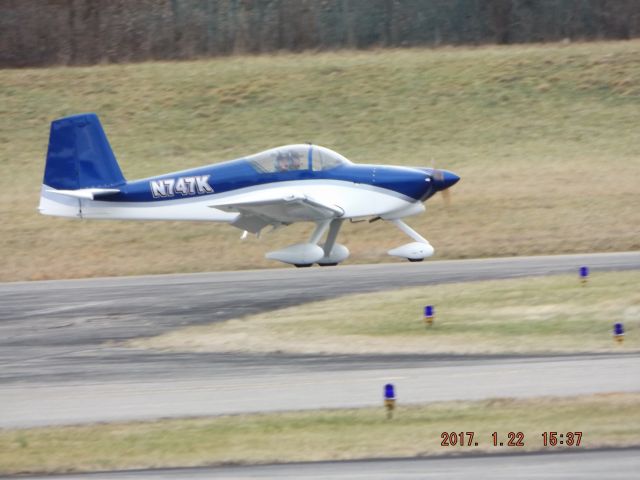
(79, 155)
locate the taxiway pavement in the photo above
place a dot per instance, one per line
(567, 465)
(58, 362)
(352, 382)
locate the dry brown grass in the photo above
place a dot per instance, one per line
(531, 315)
(605, 420)
(544, 137)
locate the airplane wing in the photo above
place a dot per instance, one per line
(256, 212)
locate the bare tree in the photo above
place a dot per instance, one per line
(45, 32)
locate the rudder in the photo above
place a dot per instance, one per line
(79, 155)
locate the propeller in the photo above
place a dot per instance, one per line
(438, 175)
(446, 196)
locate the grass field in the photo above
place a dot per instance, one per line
(530, 315)
(415, 430)
(544, 137)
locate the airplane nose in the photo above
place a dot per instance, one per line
(437, 180)
(442, 179)
(448, 179)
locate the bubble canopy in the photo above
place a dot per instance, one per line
(296, 157)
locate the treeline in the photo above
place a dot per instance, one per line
(85, 32)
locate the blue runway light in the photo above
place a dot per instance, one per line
(584, 273)
(618, 332)
(389, 399)
(429, 313)
(389, 392)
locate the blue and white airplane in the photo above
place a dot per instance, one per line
(277, 187)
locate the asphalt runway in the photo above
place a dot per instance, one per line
(58, 362)
(578, 464)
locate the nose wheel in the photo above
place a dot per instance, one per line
(415, 251)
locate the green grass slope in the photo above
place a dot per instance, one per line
(546, 140)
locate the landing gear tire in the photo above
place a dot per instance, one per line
(328, 264)
(303, 265)
(415, 259)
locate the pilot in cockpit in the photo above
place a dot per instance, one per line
(282, 164)
(295, 162)
(286, 161)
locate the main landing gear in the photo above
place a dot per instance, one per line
(325, 254)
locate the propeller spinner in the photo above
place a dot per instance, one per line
(440, 180)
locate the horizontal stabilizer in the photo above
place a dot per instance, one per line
(85, 193)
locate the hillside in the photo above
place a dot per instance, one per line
(546, 139)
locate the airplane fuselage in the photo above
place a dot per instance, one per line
(360, 190)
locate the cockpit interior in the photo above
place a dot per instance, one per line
(296, 157)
